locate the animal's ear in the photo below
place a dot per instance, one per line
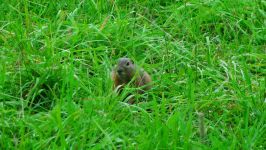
(132, 61)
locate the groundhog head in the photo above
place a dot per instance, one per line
(125, 69)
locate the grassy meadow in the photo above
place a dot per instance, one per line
(207, 59)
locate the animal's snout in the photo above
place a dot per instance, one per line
(119, 71)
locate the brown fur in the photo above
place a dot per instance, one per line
(130, 73)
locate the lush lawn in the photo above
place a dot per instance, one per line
(205, 57)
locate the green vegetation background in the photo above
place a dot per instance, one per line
(205, 56)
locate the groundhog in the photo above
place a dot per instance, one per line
(126, 72)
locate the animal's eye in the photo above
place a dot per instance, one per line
(127, 64)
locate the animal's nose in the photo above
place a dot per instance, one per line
(119, 71)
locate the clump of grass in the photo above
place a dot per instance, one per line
(206, 57)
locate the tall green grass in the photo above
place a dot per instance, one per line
(204, 57)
